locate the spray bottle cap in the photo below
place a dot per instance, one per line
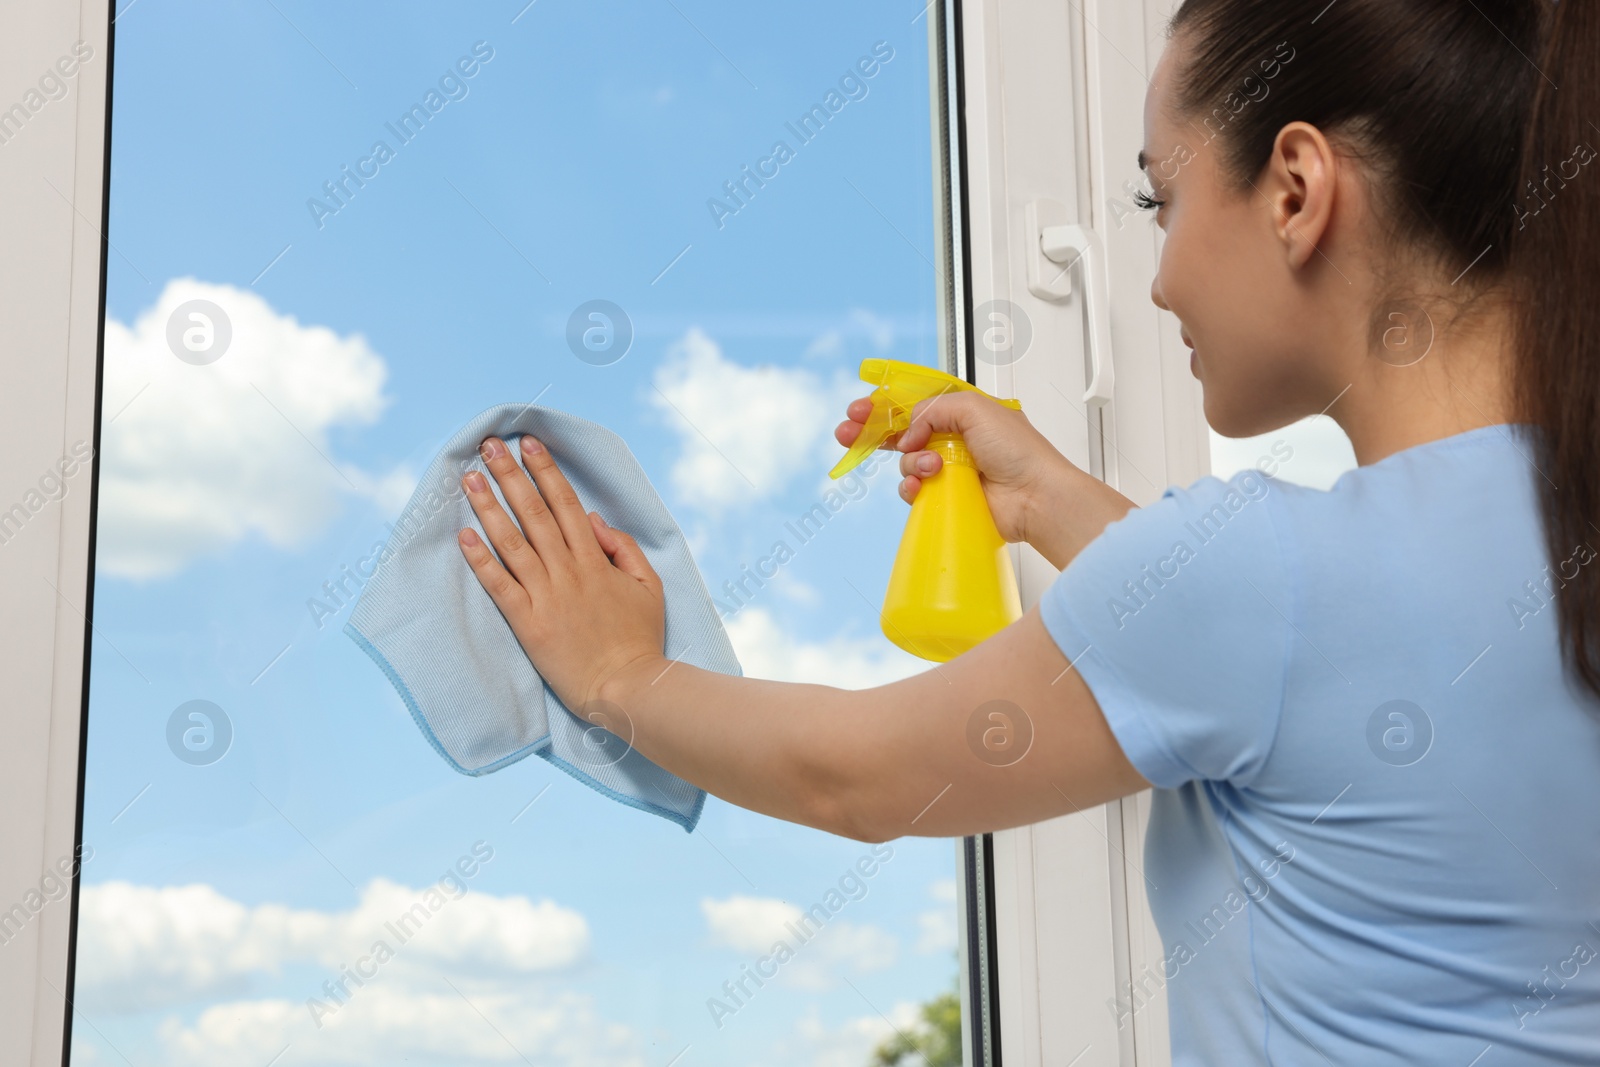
(899, 387)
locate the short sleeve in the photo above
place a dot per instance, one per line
(1178, 619)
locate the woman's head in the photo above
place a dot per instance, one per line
(1326, 171)
(1342, 175)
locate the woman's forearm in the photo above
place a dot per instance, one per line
(793, 750)
(914, 756)
(752, 742)
(1070, 509)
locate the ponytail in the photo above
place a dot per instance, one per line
(1555, 266)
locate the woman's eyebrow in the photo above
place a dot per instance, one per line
(1144, 160)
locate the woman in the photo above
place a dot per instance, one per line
(1371, 714)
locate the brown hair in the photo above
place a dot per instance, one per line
(1557, 383)
(1481, 119)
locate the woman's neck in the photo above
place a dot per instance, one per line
(1461, 381)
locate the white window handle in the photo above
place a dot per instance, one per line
(1074, 243)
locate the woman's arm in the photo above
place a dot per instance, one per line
(1004, 735)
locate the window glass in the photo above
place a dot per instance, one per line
(1312, 452)
(336, 235)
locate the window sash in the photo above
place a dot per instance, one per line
(1054, 109)
(1066, 909)
(52, 202)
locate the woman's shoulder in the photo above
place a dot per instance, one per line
(1475, 455)
(1488, 465)
(1454, 497)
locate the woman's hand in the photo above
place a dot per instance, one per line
(1014, 458)
(1034, 492)
(581, 598)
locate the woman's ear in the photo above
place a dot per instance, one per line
(1301, 184)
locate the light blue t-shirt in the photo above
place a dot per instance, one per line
(1375, 837)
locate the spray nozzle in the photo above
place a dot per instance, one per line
(899, 388)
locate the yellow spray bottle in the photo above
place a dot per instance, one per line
(952, 585)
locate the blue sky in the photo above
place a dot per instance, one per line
(574, 164)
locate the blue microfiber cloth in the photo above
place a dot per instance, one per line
(427, 622)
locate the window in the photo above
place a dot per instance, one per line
(362, 303)
(1312, 452)
(334, 239)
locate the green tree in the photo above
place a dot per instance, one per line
(935, 1041)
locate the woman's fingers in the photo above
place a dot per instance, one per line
(506, 591)
(946, 413)
(538, 525)
(913, 438)
(560, 500)
(850, 429)
(623, 550)
(921, 464)
(517, 555)
(917, 466)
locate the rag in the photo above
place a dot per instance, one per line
(427, 622)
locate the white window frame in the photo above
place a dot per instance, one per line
(52, 201)
(1054, 98)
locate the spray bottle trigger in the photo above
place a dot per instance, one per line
(874, 432)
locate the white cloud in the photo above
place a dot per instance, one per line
(1312, 452)
(751, 926)
(858, 661)
(505, 1024)
(792, 588)
(826, 345)
(860, 945)
(748, 924)
(698, 538)
(143, 947)
(879, 331)
(744, 432)
(389, 491)
(830, 344)
(197, 458)
(938, 925)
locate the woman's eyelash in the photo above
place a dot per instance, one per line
(1146, 202)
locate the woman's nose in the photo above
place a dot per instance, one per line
(1155, 294)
